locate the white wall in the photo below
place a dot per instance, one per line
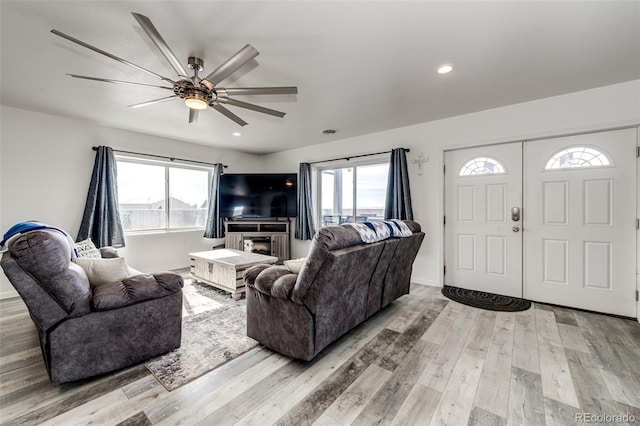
(601, 108)
(45, 170)
(46, 162)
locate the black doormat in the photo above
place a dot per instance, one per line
(482, 300)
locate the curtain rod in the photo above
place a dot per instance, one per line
(95, 148)
(356, 156)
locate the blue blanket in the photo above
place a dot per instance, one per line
(379, 230)
(31, 225)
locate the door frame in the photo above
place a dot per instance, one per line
(638, 224)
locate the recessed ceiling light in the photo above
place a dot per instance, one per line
(237, 134)
(445, 69)
(329, 131)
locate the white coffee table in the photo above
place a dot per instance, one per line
(223, 268)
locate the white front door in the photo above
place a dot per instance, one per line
(483, 242)
(579, 217)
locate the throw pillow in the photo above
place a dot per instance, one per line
(102, 271)
(86, 249)
(295, 265)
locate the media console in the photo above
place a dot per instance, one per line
(268, 237)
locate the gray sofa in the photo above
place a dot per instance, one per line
(87, 331)
(342, 283)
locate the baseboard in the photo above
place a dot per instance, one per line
(425, 282)
(8, 295)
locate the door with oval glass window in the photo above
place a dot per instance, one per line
(575, 241)
(483, 239)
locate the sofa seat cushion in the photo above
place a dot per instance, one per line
(113, 295)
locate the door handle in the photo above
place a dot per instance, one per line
(515, 214)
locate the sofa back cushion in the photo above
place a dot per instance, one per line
(326, 239)
(46, 256)
(45, 310)
(338, 297)
(377, 282)
(397, 280)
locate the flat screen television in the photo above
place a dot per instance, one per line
(247, 196)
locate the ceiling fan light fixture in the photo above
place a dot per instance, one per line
(195, 103)
(197, 93)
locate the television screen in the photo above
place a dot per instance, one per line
(258, 195)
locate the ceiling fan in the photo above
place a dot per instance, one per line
(198, 93)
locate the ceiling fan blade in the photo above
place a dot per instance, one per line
(193, 115)
(109, 55)
(107, 80)
(155, 101)
(157, 39)
(252, 107)
(232, 64)
(222, 110)
(292, 90)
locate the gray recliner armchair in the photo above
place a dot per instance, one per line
(87, 331)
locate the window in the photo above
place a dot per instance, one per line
(481, 166)
(156, 196)
(577, 157)
(353, 194)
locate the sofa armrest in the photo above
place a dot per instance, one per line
(108, 252)
(138, 288)
(274, 281)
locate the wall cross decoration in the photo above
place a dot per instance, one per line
(420, 160)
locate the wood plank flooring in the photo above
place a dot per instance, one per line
(424, 360)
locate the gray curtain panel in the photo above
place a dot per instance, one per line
(214, 227)
(398, 200)
(101, 220)
(305, 228)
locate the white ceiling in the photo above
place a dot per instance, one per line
(360, 67)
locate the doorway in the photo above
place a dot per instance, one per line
(550, 220)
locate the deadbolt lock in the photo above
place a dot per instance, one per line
(515, 214)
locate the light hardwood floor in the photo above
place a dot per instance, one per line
(423, 360)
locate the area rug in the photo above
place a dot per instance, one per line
(482, 300)
(213, 333)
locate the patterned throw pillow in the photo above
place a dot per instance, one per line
(86, 249)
